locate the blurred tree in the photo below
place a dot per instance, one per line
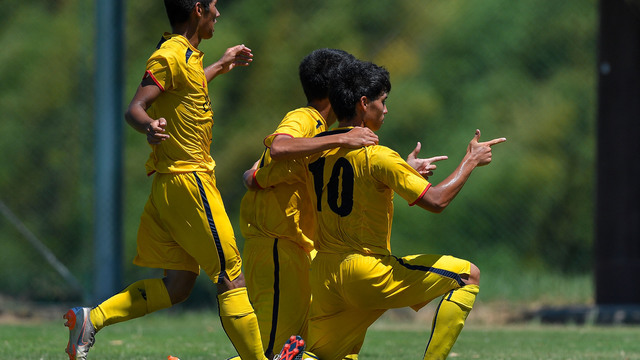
(523, 70)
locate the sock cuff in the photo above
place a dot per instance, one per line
(235, 303)
(464, 296)
(157, 295)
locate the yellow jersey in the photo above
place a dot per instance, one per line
(283, 211)
(177, 69)
(352, 192)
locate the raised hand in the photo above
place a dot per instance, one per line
(155, 131)
(481, 151)
(238, 55)
(424, 166)
(359, 137)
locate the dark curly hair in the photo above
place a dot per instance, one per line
(317, 69)
(353, 80)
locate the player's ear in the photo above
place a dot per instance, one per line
(363, 103)
(198, 9)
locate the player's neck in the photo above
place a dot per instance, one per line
(189, 31)
(323, 106)
(353, 122)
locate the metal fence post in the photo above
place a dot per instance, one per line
(617, 243)
(108, 142)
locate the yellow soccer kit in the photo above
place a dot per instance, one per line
(283, 212)
(277, 224)
(354, 278)
(352, 192)
(184, 225)
(176, 67)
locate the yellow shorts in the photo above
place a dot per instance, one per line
(184, 227)
(351, 291)
(277, 276)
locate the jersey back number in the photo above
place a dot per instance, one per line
(339, 188)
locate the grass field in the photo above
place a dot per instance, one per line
(198, 335)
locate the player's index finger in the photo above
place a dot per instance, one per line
(437, 158)
(496, 141)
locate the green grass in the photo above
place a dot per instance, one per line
(198, 335)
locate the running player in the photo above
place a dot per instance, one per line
(184, 226)
(354, 277)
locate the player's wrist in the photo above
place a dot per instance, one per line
(470, 160)
(344, 140)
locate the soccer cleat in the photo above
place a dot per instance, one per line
(293, 349)
(81, 332)
(234, 358)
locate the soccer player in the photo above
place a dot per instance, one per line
(184, 226)
(354, 277)
(278, 223)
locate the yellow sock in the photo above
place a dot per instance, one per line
(138, 299)
(449, 321)
(240, 323)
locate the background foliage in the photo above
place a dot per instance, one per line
(523, 70)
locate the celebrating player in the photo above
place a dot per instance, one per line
(354, 278)
(278, 223)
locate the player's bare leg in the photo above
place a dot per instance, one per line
(179, 284)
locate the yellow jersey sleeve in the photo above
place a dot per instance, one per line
(303, 122)
(388, 167)
(160, 72)
(176, 68)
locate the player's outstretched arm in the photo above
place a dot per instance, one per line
(438, 197)
(423, 166)
(136, 114)
(286, 147)
(238, 55)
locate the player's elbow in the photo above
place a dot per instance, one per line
(130, 117)
(437, 208)
(127, 116)
(283, 147)
(277, 153)
(434, 202)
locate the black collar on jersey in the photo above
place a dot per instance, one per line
(163, 39)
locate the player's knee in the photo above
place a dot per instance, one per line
(225, 284)
(474, 275)
(181, 294)
(179, 285)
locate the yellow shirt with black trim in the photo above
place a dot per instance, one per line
(177, 69)
(352, 191)
(283, 211)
